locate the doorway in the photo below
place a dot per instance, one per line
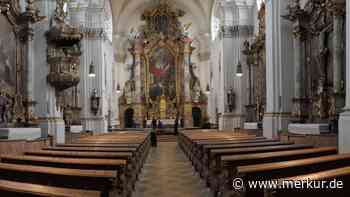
(197, 116)
(129, 118)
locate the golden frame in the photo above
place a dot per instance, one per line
(176, 50)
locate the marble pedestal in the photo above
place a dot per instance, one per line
(76, 128)
(54, 127)
(344, 132)
(270, 126)
(230, 121)
(308, 129)
(20, 133)
(251, 125)
(95, 124)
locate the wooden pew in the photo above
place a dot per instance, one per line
(338, 174)
(229, 163)
(99, 148)
(95, 163)
(139, 155)
(133, 166)
(92, 149)
(187, 139)
(214, 157)
(119, 140)
(128, 156)
(77, 154)
(103, 145)
(196, 143)
(202, 158)
(199, 147)
(19, 189)
(111, 146)
(254, 140)
(72, 163)
(279, 170)
(75, 163)
(106, 182)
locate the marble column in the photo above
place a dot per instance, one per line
(187, 75)
(338, 13)
(188, 101)
(138, 82)
(31, 16)
(344, 120)
(286, 70)
(241, 84)
(50, 118)
(270, 121)
(298, 62)
(279, 69)
(229, 58)
(137, 71)
(94, 50)
(30, 72)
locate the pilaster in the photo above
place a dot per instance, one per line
(233, 37)
(50, 117)
(338, 11)
(344, 120)
(279, 73)
(94, 50)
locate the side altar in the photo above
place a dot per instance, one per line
(162, 82)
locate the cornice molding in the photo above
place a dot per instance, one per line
(229, 31)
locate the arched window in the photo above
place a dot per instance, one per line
(215, 27)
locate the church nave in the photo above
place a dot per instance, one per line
(174, 98)
(167, 172)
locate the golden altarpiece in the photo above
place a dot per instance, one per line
(319, 37)
(16, 34)
(162, 84)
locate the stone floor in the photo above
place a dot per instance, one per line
(168, 173)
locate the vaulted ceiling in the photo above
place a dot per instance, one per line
(127, 13)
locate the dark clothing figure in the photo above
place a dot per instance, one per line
(153, 138)
(160, 124)
(153, 133)
(154, 123)
(182, 123)
(144, 123)
(206, 125)
(176, 125)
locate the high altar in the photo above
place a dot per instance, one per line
(162, 83)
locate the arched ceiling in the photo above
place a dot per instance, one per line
(127, 13)
(127, 16)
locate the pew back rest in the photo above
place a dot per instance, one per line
(42, 190)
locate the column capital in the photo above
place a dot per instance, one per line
(337, 7)
(230, 31)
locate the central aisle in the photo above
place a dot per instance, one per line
(168, 173)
